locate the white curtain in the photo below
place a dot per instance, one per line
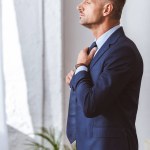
(33, 84)
(3, 127)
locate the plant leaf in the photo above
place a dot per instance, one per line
(46, 138)
(36, 145)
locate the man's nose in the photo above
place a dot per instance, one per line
(80, 6)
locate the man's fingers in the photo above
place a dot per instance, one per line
(69, 76)
(72, 72)
(86, 49)
(92, 52)
(67, 80)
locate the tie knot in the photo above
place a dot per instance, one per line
(92, 46)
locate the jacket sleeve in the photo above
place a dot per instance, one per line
(97, 97)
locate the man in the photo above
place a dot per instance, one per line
(106, 83)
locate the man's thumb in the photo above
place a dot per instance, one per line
(92, 52)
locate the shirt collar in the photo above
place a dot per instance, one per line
(103, 38)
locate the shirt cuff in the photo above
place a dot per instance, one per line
(81, 68)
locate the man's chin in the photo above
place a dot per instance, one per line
(84, 24)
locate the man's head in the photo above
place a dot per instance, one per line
(95, 12)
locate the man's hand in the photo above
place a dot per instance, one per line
(84, 58)
(69, 77)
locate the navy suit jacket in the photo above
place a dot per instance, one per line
(103, 101)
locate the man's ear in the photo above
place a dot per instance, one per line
(108, 8)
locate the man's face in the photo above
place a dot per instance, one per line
(91, 12)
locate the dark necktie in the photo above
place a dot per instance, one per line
(71, 122)
(92, 46)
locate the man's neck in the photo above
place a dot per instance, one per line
(101, 29)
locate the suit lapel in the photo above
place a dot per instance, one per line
(111, 40)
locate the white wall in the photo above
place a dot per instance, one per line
(136, 22)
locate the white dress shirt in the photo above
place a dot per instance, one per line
(99, 42)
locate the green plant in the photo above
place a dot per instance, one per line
(53, 142)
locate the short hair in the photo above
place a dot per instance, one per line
(118, 7)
